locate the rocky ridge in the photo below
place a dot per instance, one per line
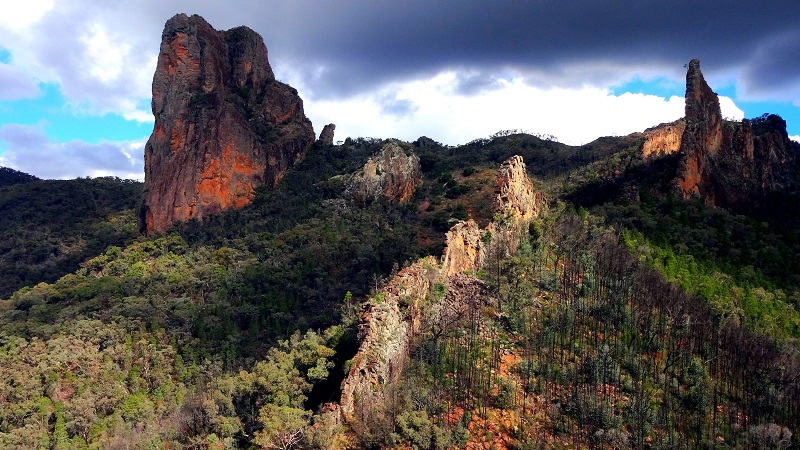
(223, 124)
(391, 321)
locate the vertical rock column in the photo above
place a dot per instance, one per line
(223, 124)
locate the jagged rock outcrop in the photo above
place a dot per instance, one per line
(515, 200)
(702, 137)
(391, 175)
(466, 248)
(514, 193)
(727, 163)
(223, 124)
(664, 139)
(326, 135)
(392, 319)
(426, 142)
(386, 330)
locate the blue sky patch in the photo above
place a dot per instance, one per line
(63, 124)
(5, 56)
(662, 87)
(666, 88)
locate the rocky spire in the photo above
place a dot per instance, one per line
(326, 136)
(727, 163)
(223, 124)
(703, 133)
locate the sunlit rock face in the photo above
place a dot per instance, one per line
(391, 320)
(664, 139)
(223, 124)
(391, 175)
(514, 192)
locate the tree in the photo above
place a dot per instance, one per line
(284, 426)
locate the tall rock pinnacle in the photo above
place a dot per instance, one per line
(703, 133)
(729, 164)
(223, 124)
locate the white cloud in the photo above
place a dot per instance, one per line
(22, 14)
(795, 138)
(436, 110)
(729, 109)
(102, 58)
(106, 65)
(29, 150)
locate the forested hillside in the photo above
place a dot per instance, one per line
(628, 317)
(51, 226)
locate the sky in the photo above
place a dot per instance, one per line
(75, 75)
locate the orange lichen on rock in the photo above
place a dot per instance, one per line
(226, 182)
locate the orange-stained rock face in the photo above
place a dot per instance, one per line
(725, 162)
(223, 124)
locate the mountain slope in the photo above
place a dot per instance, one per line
(51, 226)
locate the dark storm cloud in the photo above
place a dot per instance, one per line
(364, 43)
(475, 83)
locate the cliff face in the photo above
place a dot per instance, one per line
(223, 124)
(664, 139)
(386, 330)
(391, 175)
(394, 318)
(466, 249)
(727, 163)
(514, 193)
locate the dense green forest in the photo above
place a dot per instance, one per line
(628, 318)
(51, 226)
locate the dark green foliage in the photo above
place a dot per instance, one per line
(51, 226)
(767, 123)
(10, 176)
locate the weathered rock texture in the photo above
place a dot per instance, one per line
(664, 139)
(223, 124)
(392, 320)
(514, 193)
(728, 164)
(326, 135)
(466, 248)
(388, 325)
(391, 175)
